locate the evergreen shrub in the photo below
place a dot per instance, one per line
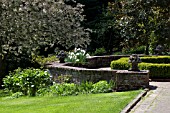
(156, 59)
(121, 64)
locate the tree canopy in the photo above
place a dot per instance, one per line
(143, 22)
(123, 24)
(25, 25)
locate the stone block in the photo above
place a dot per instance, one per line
(130, 80)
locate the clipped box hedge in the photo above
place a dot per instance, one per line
(160, 68)
(121, 64)
(156, 59)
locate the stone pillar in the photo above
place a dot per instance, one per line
(130, 80)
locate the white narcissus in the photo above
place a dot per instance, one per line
(77, 56)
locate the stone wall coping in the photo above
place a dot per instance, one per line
(64, 66)
(132, 72)
(107, 56)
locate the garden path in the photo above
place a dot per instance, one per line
(157, 99)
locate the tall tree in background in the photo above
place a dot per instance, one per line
(101, 22)
(144, 22)
(127, 23)
(25, 25)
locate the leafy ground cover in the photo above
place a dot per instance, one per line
(85, 103)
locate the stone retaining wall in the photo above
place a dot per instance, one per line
(82, 74)
(102, 61)
(125, 80)
(129, 80)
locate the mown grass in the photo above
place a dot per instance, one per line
(86, 103)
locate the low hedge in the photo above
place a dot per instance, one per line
(156, 59)
(157, 70)
(121, 64)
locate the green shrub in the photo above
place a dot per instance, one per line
(156, 59)
(118, 53)
(138, 50)
(27, 81)
(157, 69)
(135, 50)
(102, 87)
(16, 95)
(4, 93)
(99, 52)
(65, 89)
(121, 63)
(44, 60)
(64, 79)
(43, 91)
(85, 87)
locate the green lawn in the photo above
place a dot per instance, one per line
(91, 103)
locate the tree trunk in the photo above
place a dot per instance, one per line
(2, 71)
(147, 49)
